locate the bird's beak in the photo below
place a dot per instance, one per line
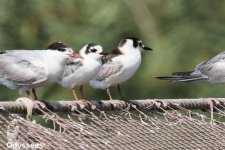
(74, 55)
(147, 48)
(103, 53)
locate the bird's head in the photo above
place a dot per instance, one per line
(92, 51)
(63, 48)
(132, 44)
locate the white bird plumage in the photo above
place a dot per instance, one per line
(81, 70)
(119, 65)
(29, 69)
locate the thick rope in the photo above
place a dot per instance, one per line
(112, 105)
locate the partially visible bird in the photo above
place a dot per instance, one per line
(119, 65)
(80, 71)
(212, 71)
(28, 69)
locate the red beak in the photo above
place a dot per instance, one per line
(74, 55)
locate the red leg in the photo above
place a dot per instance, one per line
(74, 93)
(82, 92)
(29, 95)
(109, 94)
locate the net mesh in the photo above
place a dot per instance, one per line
(136, 129)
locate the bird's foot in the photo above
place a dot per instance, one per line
(30, 98)
(87, 103)
(39, 104)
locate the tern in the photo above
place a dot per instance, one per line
(79, 71)
(119, 65)
(28, 69)
(212, 71)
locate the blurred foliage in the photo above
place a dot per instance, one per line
(182, 33)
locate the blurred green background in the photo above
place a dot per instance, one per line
(182, 33)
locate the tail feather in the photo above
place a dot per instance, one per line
(169, 78)
(186, 73)
(182, 77)
(190, 79)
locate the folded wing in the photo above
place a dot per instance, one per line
(108, 69)
(20, 71)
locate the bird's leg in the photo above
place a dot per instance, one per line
(29, 95)
(86, 102)
(38, 104)
(118, 87)
(109, 94)
(74, 93)
(82, 92)
(34, 93)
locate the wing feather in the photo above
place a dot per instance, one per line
(108, 69)
(71, 66)
(214, 68)
(20, 71)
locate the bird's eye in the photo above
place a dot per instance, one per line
(61, 49)
(93, 50)
(140, 44)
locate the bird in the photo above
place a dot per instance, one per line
(26, 70)
(119, 65)
(211, 71)
(79, 71)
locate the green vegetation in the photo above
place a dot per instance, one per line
(182, 33)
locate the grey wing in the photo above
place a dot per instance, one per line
(71, 66)
(108, 69)
(20, 71)
(214, 68)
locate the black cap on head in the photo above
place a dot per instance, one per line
(137, 42)
(89, 46)
(60, 46)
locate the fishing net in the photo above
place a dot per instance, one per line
(155, 127)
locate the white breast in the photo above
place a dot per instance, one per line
(82, 75)
(130, 65)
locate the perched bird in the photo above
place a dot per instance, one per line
(119, 65)
(79, 71)
(28, 69)
(212, 71)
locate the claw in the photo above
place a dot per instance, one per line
(39, 104)
(88, 103)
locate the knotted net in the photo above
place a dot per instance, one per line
(155, 128)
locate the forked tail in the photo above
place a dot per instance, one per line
(187, 76)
